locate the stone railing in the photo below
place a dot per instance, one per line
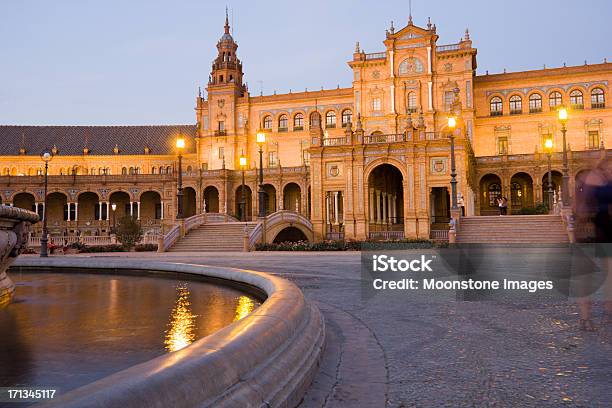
(166, 241)
(448, 47)
(376, 55)
(14, 227)
(272, 220)
(89, 240)
(389, 138)
(266, 359)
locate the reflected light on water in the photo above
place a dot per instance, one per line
(244, 307)
(181, 329)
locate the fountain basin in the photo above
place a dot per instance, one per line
(266, 359)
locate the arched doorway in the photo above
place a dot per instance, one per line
(88, 209)
(292, 197)
(57, 212)
(269, 198)
(246, 213)
(150, 208)
(211, 199)
(25, 201)
(123, 207)
(189, 202)
(386, 202)
(290, 234)
(490, 191)
(521, 192)
(557, 178)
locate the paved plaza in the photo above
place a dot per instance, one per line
(391, 350)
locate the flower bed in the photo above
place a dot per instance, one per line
(348, 245)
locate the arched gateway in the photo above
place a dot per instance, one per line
(385, 202)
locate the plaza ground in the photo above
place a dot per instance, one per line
(391, 350)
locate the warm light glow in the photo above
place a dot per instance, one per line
(548, 144)
(261, 136)
(113, 206)
(46, 156)
(244, 307)
(181, 329)
(243, 161)
(562, 114)
(452, 122)
(180, 143)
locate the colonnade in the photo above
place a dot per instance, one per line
(383, 207)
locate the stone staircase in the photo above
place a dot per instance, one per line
(214, 237)
(512, 229)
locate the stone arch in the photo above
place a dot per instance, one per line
(385, 196)
(269, 198)
(290, 234)
(150, 206)
(57, 211)
(88, 206)
(491, 188)
(25, 200)
(557, 179)
(292, 197)
(122, 200)
(246, 213)
(189, 201)
(521, 191)
(211, 199)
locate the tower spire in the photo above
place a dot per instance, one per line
(410, 12)
(227, 26)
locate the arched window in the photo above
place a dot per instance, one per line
(598, 100)
(555, 99)
(494, 193)
(576, 99)
(153, 170)
(283, 123)
(347, 117)
(93, 171)
(298, 121)
(330, 119)
(124, 171)
(267, 122)
(169, 169)
(412, 102)
(411, 66)
(535, 103)
(162, 170)
(496, 105)
(315, 120)
(516, 105)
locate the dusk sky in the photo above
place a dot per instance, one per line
(86, 62)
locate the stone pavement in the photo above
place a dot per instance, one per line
(394, 351)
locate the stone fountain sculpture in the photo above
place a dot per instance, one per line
(14, 227)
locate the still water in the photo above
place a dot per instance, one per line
(64, 330)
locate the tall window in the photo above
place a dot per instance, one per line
(330, 119)
(598, 99)
(347, 117)
(502, 145)
(298, 121)
(449, 97)
(535, 103)
(272, 159)
(267, 122)
(283, 123)
(494, 193)
(314, 120)
(376, 106)
(496, 106)
(516, 105)
(555, 99)
(593, 139)
(576, 99)
(221, 152)
(412, 102)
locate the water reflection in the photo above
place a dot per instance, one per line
(244, 307)
(181, 329)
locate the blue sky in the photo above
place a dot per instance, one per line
(140, 62)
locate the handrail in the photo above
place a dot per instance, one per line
(376, 55)
(170, 238)
(448, 47)
(387, 138)
(334, 141)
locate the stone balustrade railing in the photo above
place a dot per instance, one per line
(14, 227)
(89, 240)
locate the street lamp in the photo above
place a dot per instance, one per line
(452, 124)
(180, 145)
(548, 146)
(243, 163)
(261, 139)
(46, 156)
(565, 197)
(114, 208)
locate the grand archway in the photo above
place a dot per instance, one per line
(521, 192)
(189, 202)
(386, 201)
(211, 199)
(290, 234)
(247, 212)
(25, 201)
(150, 208)
(490, 191)
(292, 197)
(57, 212)
(557, 178)
(89, 208)
(269, 198)
(121, 201)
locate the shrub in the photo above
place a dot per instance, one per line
(350, 245)
(145, 247)
(129, 232)
(537, 210)
(103, 248)
(77, 245)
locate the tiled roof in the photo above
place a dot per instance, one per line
(100, 140)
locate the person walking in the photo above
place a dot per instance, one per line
(500, 203)
(504, 206)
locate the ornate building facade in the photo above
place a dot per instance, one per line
(369, 161)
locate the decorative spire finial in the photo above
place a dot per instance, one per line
(392, 29)
(429, 23)
(467, 34)
(357, 50)
(410, 12)
(227, 27)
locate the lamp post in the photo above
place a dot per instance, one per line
(180, 145)
(452, 124)
(114, 208)
(565, 197)
(46, 156)
(243, 163)
(548, 145)
(261, 139)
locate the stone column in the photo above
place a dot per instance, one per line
(108, 210)
(372, 205)
(131, 208)
(336, 208)
(100, 217)
(138, 209)
(162, 210)
(76, 211)
(327, 209)
(69, 207)
(378, 207)
(384, 207)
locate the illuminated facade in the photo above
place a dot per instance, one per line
(372, 160)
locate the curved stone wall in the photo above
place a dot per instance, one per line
(14, 226)
(267, 359)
